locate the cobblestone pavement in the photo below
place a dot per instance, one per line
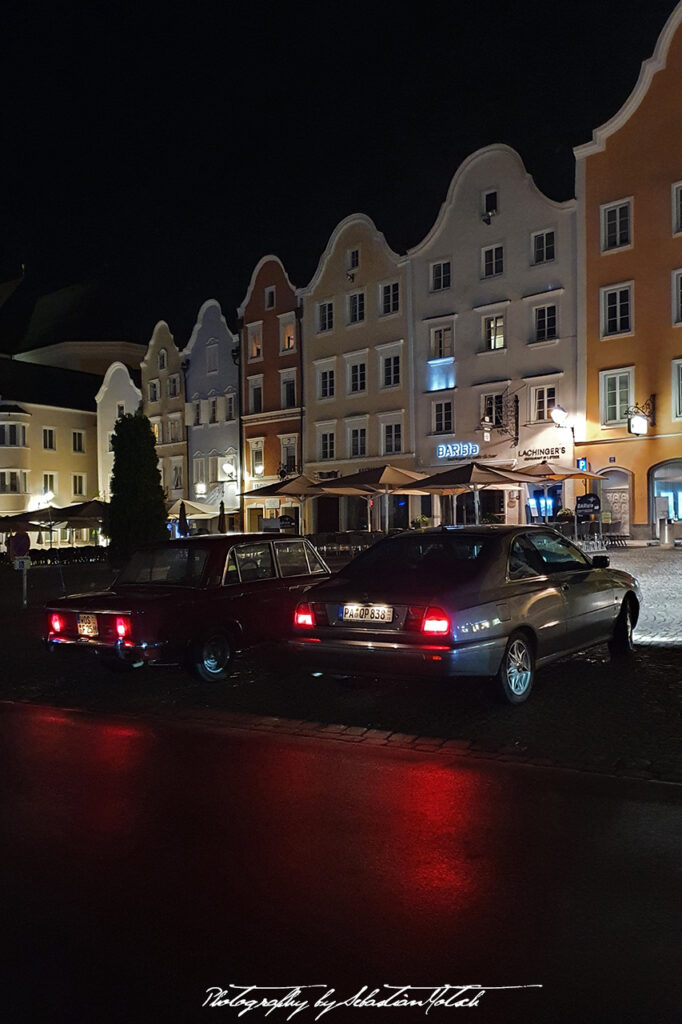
(659, 572)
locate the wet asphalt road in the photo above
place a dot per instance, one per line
(146, 863)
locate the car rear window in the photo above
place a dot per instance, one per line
(174, 565)
(433, 557)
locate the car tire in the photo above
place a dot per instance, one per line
(212, 656)
(516, 673)
(621, 644)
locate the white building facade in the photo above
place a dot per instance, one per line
(118, 396)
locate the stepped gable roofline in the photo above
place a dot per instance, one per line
(210, 308)
(252, 283)
(647, 71)
(48, 385)
(114, 368)
(496, 149)
(352, 219)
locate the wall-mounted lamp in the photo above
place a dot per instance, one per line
(640, 416)
(559, 416)
(200, 489)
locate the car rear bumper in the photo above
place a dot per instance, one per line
(133, 654)
(481, 658)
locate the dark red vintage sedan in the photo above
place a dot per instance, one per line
(195, 602)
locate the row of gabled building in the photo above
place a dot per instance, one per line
(511, 306)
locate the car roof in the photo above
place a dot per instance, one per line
(222, 538)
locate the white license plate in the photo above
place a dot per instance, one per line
(87, 625)
(367, 613)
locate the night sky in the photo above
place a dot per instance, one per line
(163, 149)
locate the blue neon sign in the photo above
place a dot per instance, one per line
(457, 450)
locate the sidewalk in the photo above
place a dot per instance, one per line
(659, 572)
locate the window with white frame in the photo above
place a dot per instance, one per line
(153, 390)
(616, 310)
(49, 439)
(78, 482)
(287, 333)
(441, 416)
(289, 449)
(677, 389)
(677, 207)
(255, 341)
(325, 385)
(493, 332)
(492, 409)
(544, 323)
(492, 261)
(441, 342)
(211, 358)
(229, 408)
(163, 359)
(213, 410)
(358, 442)
(13, 481)
(327, 444)
(677, 296)
(542, 244)
(356, 307)
(357, 377)
(173, 430)
(176, 476)
(615, 393)
(197, 414)
(440, 275)
(391, 371)
(325, 316)
(49, 483)
(256, 394)
(198, 470)
(390, 298)
(616, 228)
(213, 469)
(543, 400)
(288, 389)
(256, 457)
(270, 297)
(12, 435)
(393, 438)
(174, 385)
(78, 440)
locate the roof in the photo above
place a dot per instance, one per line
(48, 385)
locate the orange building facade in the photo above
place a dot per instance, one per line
(629, 193)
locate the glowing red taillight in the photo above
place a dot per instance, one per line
(56, 623)
(304, 617)
(435, 622)
(122, 627)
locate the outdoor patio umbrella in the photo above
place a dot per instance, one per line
(469, 476)
(385, 479)
(299, 487)
(546, 473)
(193, 510)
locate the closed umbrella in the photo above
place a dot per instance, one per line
(221, 518)
(183, 525)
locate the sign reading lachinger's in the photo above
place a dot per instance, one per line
(541, 453)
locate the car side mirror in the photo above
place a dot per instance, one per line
(601, 561)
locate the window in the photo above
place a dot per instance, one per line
(255, 342)
(442, 417)
(616, 388)
(257, 459)
(616, 310)
(49, 442)
(270, 297)
(390, 298)
(393, 438)
(326, 384)
(492, 261)
(213, 410)
(544, 323)
(677, 207)
(120, 410)
(325, 318)
(153, 390)
(229, 411)
(173, 431)
(677, 389)
(493, 332)
(78, 485)
(78, 440)
(174, 385)
(358, 442)
(543, 400)
(296, 558)
(441, 342)
(677, 296)
(490, 202)
(440, 276)
(356, 307)
(156, 430)
(211, 359)
(288, 385)
(13, 481)
(213, 469)
(255, 562)
(198, 471)
(391, 373)
(176, 476)
(256, 394)
(49, 483)
(358, 378)
(13, 435)
(287, 336)
(543, 246)
(353, 259)
(327, 444)
(492, 409)
(289, 454)
(163, 359)
(615, 225)
(197, 414)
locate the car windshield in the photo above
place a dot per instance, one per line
(175, 565)
(422, 557)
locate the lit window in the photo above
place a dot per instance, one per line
(255, 337)
(257, 460)
(287, 338)
(543, 246)
(616, 310)
(492, 261)
(492, 409)
(615, 225)
(440, 276)
(544, 326)
(493, 332)
(441, 342)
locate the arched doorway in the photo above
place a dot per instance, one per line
(616, 498)
(665, 491)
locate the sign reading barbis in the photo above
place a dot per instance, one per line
(457, 450)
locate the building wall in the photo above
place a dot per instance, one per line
(212, 410)
(161, 377)
(118, 395)
(635, 160)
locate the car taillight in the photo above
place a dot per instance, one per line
(122, 627)
(56, 623)
(304, 616)
(435, 622)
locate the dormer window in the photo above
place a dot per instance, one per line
(162, 359)
(489, 206)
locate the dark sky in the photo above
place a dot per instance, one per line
(165, 148)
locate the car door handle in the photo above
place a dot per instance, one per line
(565, 586)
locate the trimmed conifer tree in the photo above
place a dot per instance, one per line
(137, 513)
